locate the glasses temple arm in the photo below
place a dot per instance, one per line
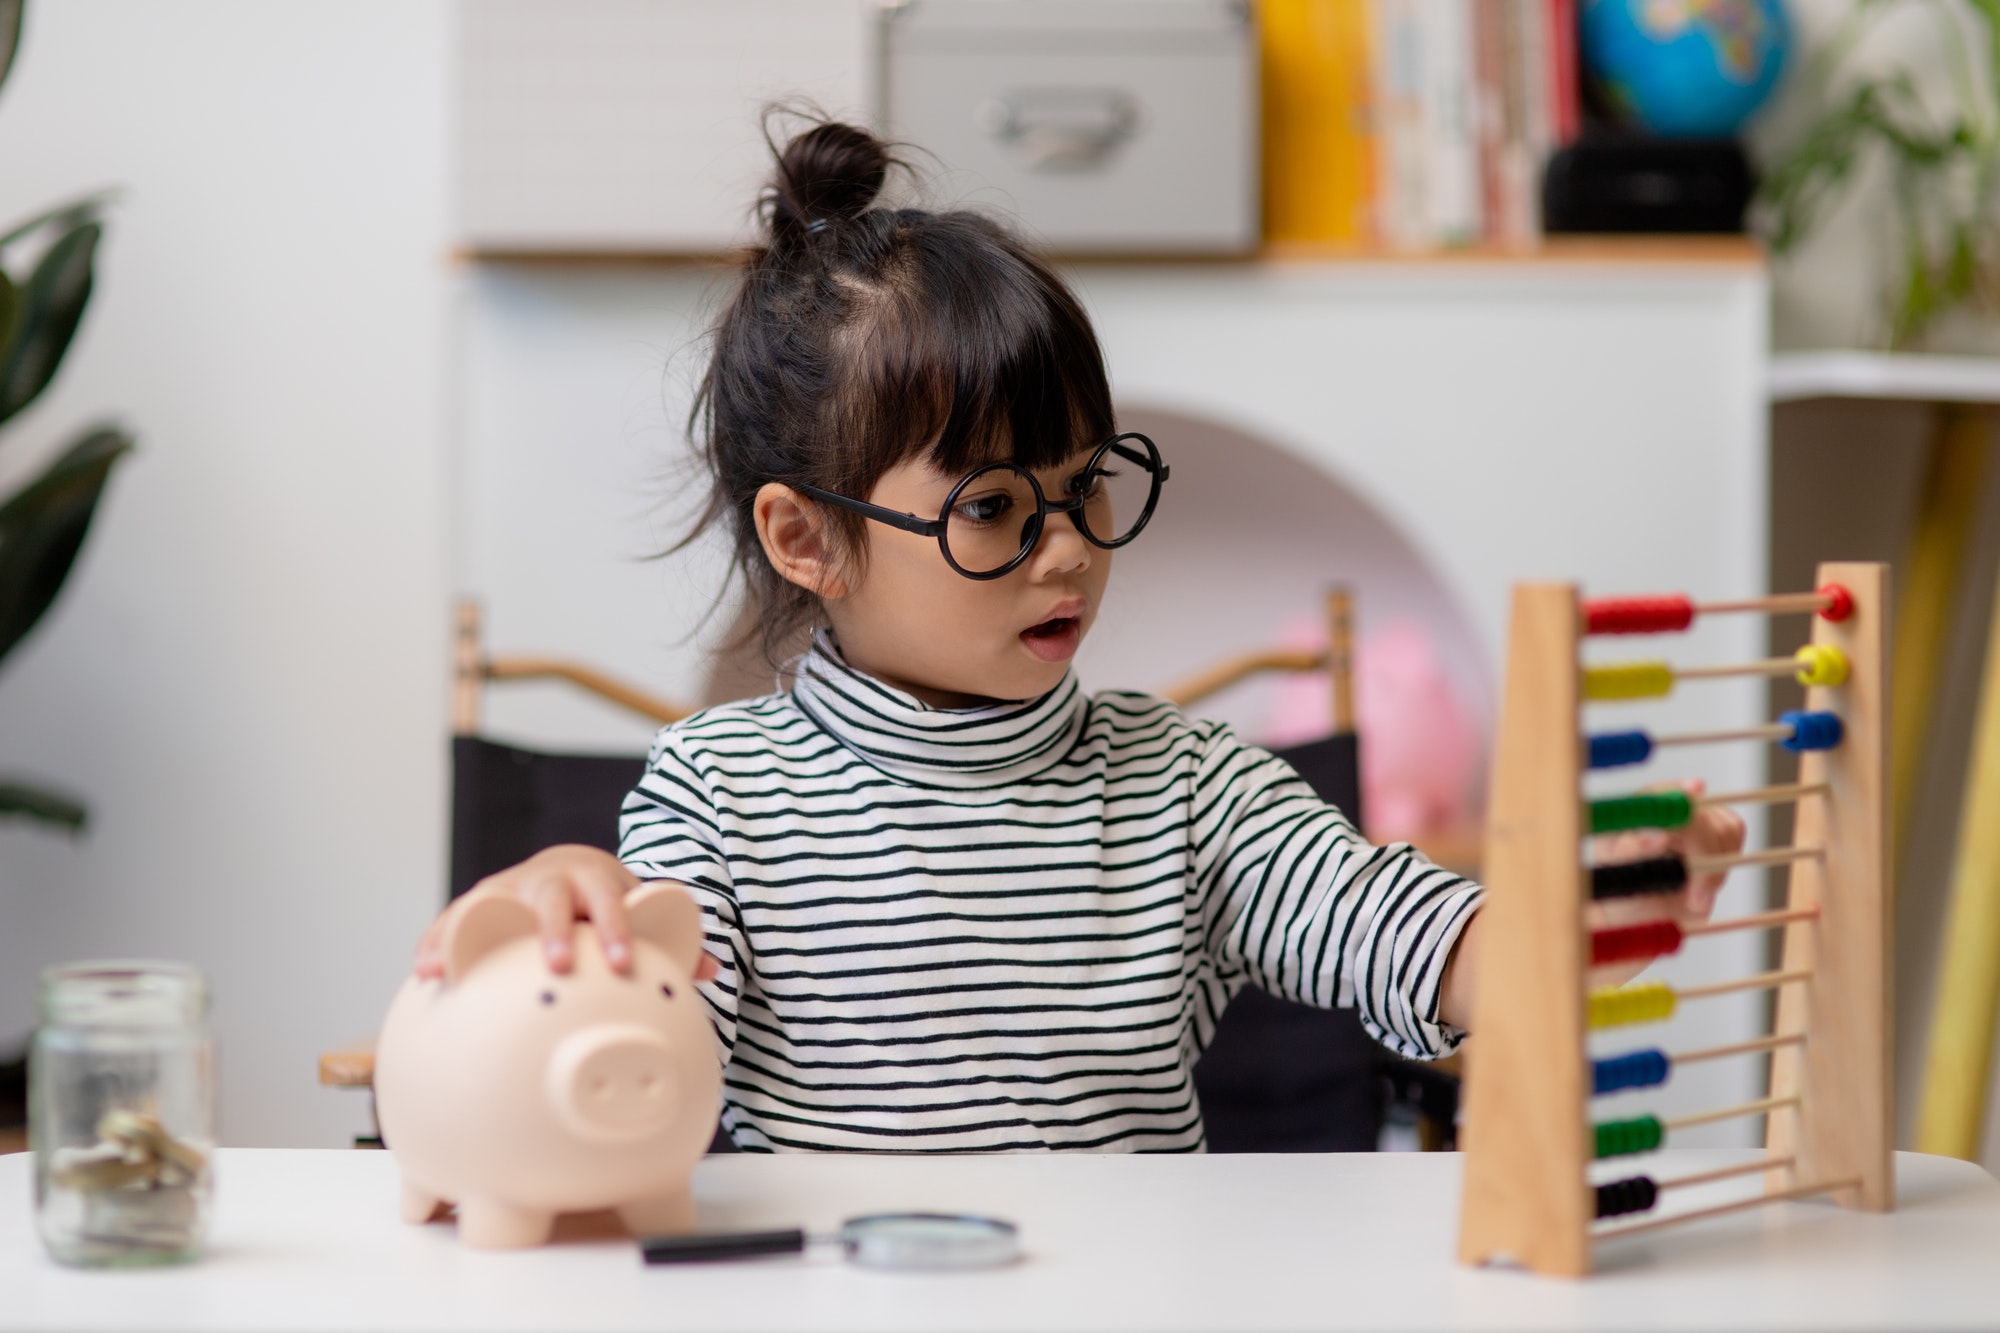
(893, 517)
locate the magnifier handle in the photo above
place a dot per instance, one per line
(703, 1247)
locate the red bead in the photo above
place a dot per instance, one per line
(1648, 939)
(1638, 615)
(1839, 603)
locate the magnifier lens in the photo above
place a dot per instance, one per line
(930, 1240)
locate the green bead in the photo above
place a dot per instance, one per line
(1646, 809)
(1622, 1138)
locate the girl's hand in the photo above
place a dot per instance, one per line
(562, 885)
(1714, 831)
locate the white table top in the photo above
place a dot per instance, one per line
(310, 1239)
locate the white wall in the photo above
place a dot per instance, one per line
(246, 675)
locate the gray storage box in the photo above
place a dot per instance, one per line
(1106, 126)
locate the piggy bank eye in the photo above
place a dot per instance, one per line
(666, 990)
(548, 997)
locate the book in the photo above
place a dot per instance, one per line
(1319, 149)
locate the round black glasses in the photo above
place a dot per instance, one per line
(994, 516)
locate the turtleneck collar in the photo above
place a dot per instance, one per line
(963, 748)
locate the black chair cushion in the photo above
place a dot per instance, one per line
(508, 803)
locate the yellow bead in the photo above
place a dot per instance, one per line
(1647, 1002)
(1628, 680)
(1821, 664)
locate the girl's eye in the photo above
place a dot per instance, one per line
(984, 508)
(1090, 483)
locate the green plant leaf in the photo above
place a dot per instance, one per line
(43, 525)
(67, 215)
(10, 309)
(10, 34)
(52, 302)
(39, 803)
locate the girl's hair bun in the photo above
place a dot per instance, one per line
(831, 172)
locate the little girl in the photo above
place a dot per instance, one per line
(953, 903)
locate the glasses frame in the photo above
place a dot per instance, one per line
(1032, 530)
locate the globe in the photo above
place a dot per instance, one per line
(1685, 68)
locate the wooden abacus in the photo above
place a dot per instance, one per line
(1528, 1135)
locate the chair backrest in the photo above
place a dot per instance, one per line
(507, 803)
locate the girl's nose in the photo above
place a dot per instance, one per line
(1062, 548)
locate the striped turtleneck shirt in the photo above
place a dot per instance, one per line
(1012, 927)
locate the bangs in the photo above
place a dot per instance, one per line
(968, 354)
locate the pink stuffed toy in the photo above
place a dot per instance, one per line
(1419, 744)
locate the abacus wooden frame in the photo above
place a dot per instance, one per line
(1527, 1134)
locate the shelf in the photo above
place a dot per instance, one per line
(1908, 376)
(1608, 251)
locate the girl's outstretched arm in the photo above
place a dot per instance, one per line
(1714, 831)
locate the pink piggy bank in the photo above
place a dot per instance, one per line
(518, 1094)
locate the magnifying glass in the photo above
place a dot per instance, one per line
(906, 1241)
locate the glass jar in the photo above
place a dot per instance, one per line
(121, 1113)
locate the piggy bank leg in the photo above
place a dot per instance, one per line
(419, 1204)
(490, 1224)
(661, 1215)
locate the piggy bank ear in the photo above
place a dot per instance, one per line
(478, 927)
(665, 915)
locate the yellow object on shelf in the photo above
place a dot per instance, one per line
(1319, 155)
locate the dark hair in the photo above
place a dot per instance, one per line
(863, 336)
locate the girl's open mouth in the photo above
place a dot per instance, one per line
(1055, 639)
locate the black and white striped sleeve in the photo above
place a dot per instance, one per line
(667, 829)
(1291, 896)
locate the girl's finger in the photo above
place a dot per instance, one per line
(708, 969)
(555, 909)
(603, 891)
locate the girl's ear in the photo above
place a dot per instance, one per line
(796, 541)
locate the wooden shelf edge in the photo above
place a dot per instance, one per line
(1906, 376)
(1605, 251)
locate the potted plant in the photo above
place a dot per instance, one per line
(1942, 147)
(46, 266)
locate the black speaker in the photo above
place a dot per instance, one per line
(1629, 183)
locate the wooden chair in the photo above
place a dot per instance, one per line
(509, 802)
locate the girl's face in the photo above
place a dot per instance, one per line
(905, 617)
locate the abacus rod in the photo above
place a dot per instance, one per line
(1730, 1113)
(1725, 1173)
(1778, 604)
(1755, 921)
(1774, 856)
(1739, 1048)
(1773, 1196)
(1775, 731)
(1772, 795)
(1770, 666)
(1762, 981)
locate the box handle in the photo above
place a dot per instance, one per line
(1061, 129)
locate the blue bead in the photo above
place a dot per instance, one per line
(1615, 749)
(1811, 731)
(1640, 1069)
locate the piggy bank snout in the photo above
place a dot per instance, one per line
(613, 1082)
